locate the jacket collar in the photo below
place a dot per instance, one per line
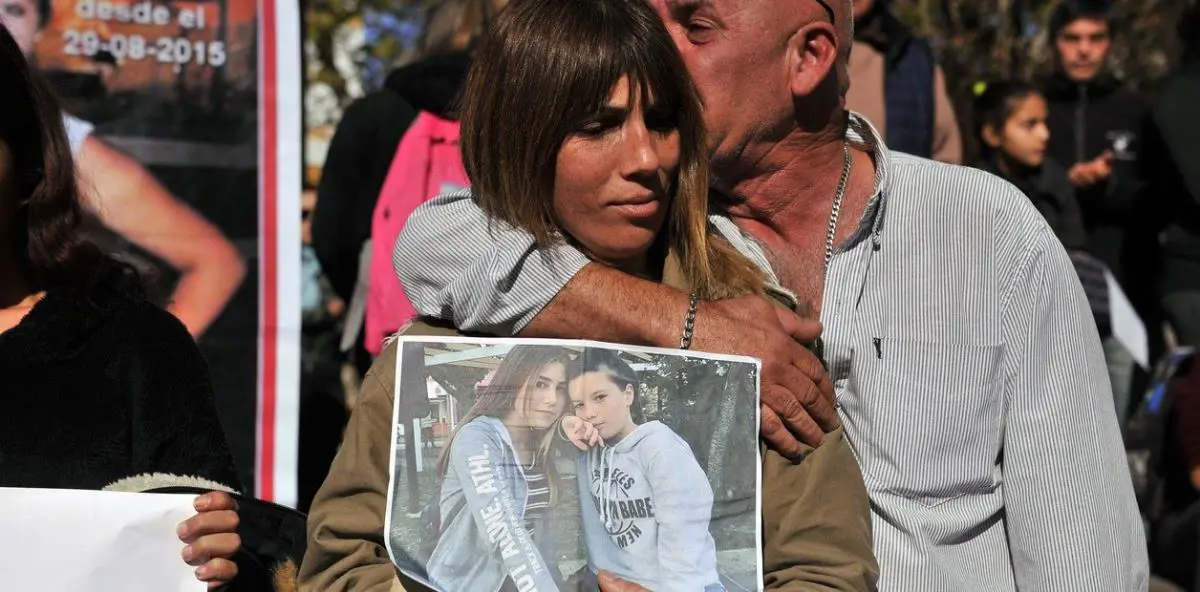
(61, 325)
(1060, 88)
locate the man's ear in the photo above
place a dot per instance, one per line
(812, 57)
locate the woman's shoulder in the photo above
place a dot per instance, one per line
(105, 316)
(484, 427)
(135, 324)
(481, 437)
(1054, 181)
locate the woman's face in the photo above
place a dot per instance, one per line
(22, 19)
(612, 186)
(543, 398)
(1025, 133)
(596, 399)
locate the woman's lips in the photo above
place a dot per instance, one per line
(637, 209)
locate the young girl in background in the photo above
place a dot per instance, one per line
(1012, 130)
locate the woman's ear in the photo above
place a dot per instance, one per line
(991, 136)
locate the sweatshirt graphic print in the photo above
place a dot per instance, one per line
(646, 506)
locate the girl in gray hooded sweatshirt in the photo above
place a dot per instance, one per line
(646, 503)
(499, 481)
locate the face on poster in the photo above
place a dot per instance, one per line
(164, 110)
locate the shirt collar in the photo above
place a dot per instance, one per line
(862, 135)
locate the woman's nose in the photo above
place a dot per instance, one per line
(640, 149)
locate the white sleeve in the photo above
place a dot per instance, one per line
(78, 131)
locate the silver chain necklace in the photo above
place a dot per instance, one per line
(837, 205)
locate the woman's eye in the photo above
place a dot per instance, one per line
(596, 128)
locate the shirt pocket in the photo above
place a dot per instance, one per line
(927, 417)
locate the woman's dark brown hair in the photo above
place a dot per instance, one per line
(47, 228)
(546, 67)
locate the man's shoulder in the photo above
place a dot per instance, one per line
(954, 188)
(959, 201)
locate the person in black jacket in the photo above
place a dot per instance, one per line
(356, 165)
(1175, 158)
(370, 131)
(100, 386)
(365, 143)
(1011, 124)
(1097, 131)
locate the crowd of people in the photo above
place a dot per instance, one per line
(944, 398)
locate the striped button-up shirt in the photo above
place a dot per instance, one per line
(967, 366)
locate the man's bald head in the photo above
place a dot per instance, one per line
(764, 68)
(841, 12)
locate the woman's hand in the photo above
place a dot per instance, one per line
(581, 433)
(212, 539)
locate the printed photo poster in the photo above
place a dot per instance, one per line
(184, 119)
(531, 465)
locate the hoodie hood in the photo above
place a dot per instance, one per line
(647, 521)
(432, 84)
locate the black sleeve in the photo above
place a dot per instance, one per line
(1157, 166)
(359, 155)
(175, 422)
(1071, 231)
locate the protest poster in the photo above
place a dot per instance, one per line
(184, 118)
(65, 539)
(531, 465)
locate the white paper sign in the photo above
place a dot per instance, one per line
(60, 539)
(1127, 326)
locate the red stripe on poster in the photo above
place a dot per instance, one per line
(270, 308)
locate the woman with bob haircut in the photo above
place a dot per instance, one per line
(580, 124)
(102, 389)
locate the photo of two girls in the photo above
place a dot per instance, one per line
(533, 465)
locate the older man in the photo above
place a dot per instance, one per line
(968, 371)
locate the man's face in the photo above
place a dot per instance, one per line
(22, 19)
(734, 50)
(1083, 48)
